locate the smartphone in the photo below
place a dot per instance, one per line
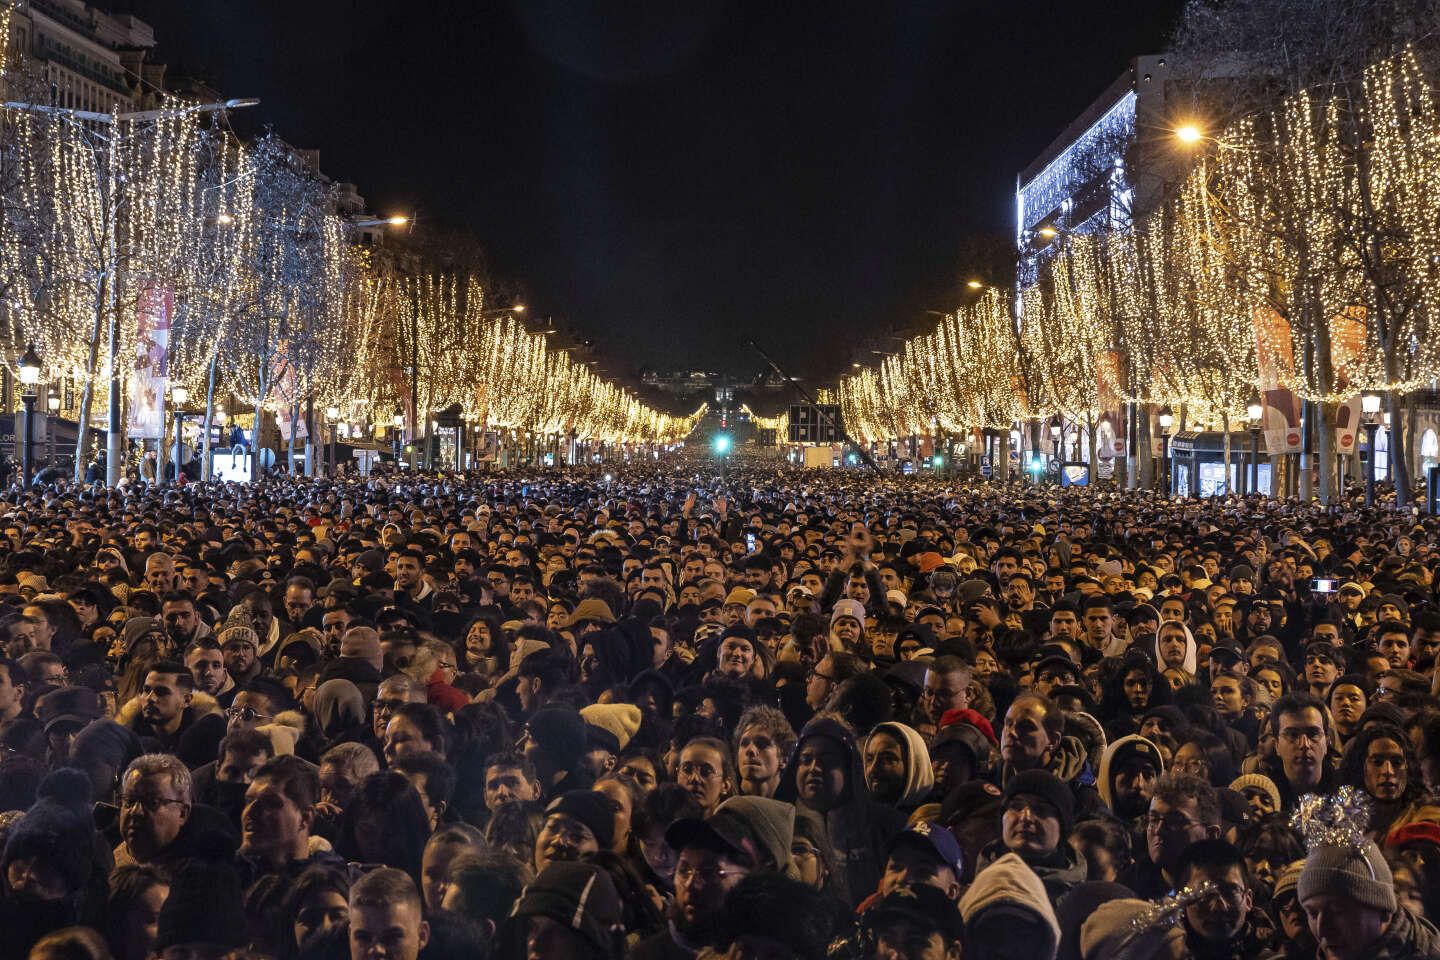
(1322, 585)
(750, 542)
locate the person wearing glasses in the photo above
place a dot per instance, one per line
(1303, 744)
(156, 799)
(1183, 810)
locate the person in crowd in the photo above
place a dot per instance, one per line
(554, 715)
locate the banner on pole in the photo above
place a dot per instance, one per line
(1347, 426)
(150, 377)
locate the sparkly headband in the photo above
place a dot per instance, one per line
(1163, 914)
(1339, 820)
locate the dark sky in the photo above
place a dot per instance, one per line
(674, 182)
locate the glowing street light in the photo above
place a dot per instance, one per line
(1189, 134)
(722, 444)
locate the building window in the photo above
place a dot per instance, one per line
(1429, 451)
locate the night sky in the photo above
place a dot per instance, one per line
(674, 177)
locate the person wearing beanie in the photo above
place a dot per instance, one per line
(1128, 769)
(620, 720)
(1259, 792)
(578, 823)
(554, 742)
(1037, 815)
(570, 911)
(102, 750)
(1289, 917)
(897, 765)
(49, 853)
(847, 625)
(757, 829)
(1007, 912)
(1348, 895)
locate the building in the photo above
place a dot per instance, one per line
(89, 59)
(1106, 169)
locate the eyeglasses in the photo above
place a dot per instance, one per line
(245, 714)
(388, 706)
(685, 873)
(148, 804)
(1169, 823)
(1296, 734)
(814, 674)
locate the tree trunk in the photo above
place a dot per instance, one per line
(1399, 462)
(1225, 426)
(209, 419)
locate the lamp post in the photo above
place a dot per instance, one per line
(29, 376)
(1255, 413)
(1370, 408)
(179, 395)
(1167, 420)
(332, 414)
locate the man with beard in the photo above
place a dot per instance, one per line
(206, 663)
(1128, 771)
(1223, 926)
(168, 717)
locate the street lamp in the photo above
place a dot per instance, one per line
(1167, 420)
(1189, 134)
(179, 395)
(1370, 408)
(1255, 413)
(29, 376)
(398, 422)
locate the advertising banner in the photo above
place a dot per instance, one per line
(150, 378)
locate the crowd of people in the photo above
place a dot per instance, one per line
(659, 713)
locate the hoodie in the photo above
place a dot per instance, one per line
(859, 827)
(1125, 746)
(1191, 651)
(919, 778)
(1007, 883)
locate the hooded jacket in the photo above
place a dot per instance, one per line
(859, 827)
(1191, 650)
(1008, 882)
(919, 777)
(1059, 873)
(1106, 782)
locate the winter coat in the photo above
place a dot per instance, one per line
(1060, 872)
(859, 827)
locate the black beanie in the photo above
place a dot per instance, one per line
(580, 896)
(1048, 787)
(560, 732)
(58, 829)
(590, 807)
(205, 906)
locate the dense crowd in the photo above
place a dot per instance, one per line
(657, 713)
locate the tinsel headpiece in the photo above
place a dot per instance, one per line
(1339, 820)
(1161, 914)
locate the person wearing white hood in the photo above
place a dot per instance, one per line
(1175, 648)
